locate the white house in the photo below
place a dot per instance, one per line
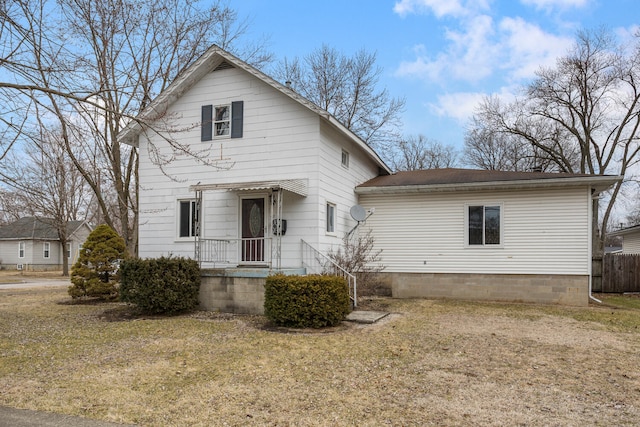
(271, 178)
(630, 239)
(475, 234)
(32, 243)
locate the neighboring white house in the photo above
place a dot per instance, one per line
(32, 243)
(630, 239)
(277, 179)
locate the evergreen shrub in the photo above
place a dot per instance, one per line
(312, 301)
(96, 272)
(163, 285)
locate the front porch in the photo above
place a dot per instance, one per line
(240, 288)
(237, 290)
(250, 241)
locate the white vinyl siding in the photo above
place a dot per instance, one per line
(280, 141)
(631, 243)
(337, 183)
(544, 232)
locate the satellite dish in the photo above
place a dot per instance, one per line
(358, 213)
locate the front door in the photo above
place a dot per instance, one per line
(253, 230)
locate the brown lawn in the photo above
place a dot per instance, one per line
(428, 363)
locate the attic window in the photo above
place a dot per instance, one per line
(224, 65)
(345, 159)
(222, 121)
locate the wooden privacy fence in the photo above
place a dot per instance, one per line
(621, 273)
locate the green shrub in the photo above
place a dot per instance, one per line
(162, 285)
(96, 273)
(306, 301)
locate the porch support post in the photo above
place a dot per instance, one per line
(276, 225)
(196, 227)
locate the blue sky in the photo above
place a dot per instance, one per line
(443, 56)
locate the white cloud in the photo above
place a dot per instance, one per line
(528, 47)
(470, 55)
(627, 36)
(459, 106)
(555, 4)
(440, 8)
(516, 48)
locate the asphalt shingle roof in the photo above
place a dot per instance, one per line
(34, 228)
(458, 176)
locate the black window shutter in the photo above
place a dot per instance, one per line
(237, 112)
(206, 132)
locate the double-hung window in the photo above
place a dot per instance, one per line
(222, 121)
(46, 250)
(331, 218)
(484, 225)
(187, 218)
(21, 249)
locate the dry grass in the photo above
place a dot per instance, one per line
(428, 363)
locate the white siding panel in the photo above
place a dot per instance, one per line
(337, 183)
(281, 140)
(544, 232)
(631, 243)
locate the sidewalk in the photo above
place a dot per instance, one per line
(11, 417)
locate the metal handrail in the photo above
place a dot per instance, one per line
(235, 251)
(319, 263)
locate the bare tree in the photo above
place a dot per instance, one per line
(91, 66)
(12, 206)
(346, 87)
(48, 185)
(493, 149)
(419, 152)
(583, 114)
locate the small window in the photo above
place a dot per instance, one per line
(222, 120)
(46, 250)
(69, 250)
(345, 159)
(483, 225)
(331, 218)
(21, 248)
(188, 218)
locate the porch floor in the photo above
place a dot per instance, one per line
(253, 272)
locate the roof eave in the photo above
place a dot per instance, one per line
(598, 183)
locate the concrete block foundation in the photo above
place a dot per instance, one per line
(538, 289)
(237, 290)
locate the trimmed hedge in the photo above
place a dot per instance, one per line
(306, 301)
(162, 285)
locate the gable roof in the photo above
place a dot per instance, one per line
(217, 58)
(34, 228)
(453, 179)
